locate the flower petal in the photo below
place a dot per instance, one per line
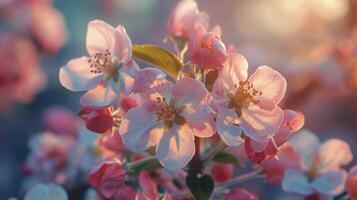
(260, 124)
(270, 82)
(235, 70)
(101, 96)
(100, 37)
(227, 128)
(127, 79)
(176, 147)
(123, 46)
(42, 192)
(306, 143)
(76, 75)
(296, 181)
(139, 129)
(330, 183)
(189, 92)
(333, 154)
(200, 121)
(145, 77)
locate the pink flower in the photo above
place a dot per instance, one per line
(351, 183)
(170, 116)
(109, 70)
(108, 177)
(148, 186)
(247, 105)
(240, 194)
(61, 121)
(258, 152)
(222, 172)
(21, 78)
(43, 192)
(184, 18)
(320, 167)
(97, 120)
(206, 49)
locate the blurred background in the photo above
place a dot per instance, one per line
(312, 42)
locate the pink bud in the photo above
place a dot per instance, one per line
(128, 102)
(206, 49)
(184, 18)
(351, 183)
(61, 121)
(108, 177)
(97, 120)
(240, 194)
(222, 172)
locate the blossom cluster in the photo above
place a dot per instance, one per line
(176, 129)
(29, 30)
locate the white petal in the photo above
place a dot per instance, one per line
(333, 154)
(145, 77)
(176, 147)
(227, 128)
(260, 124)
(139, 129)
(123, 46)
(235, 70)
(45, 192)
(330, 183)
(189, 92)
(76, 75)
(100, 37)
(270, 82)
(306, 143)
(296, 181)
(101, 96)
(200, 121)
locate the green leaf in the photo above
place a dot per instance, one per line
(149, 165)
(223, 157)
(159, 57)
(201, 187)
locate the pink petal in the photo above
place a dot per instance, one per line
(145, 77)
(222, 172)
(333, 154)
(160, 88)
(270, 82)
(293, 121)
(101, 96)
(259, 146)
(76, 75)
(189, 92)
(235, 70)
(176, 147)
(297, 182)
(240, 194)
(100, 37)
(148, 185)
(217, 30)
(227, 128)
(195, 38)
(127, 79)
(330, 183)
(123, 46)
(139, 129)
(261, 124)
(201, 122)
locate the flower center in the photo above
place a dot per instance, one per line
(105, 62)
(168, 113)
(244, 97)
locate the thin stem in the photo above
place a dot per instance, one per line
(139, 162)
(234, 181)
(212, 152)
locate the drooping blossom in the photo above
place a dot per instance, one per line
(60, 120)
(169, 117)
(257, 151)
(184, 18)
(107, 177)
(45, 192)
(320, 167)
(351, 183)
(247, 105)
(222, 172)
(206, 49)
(108, 71)
(240, 194)
(21, 78)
